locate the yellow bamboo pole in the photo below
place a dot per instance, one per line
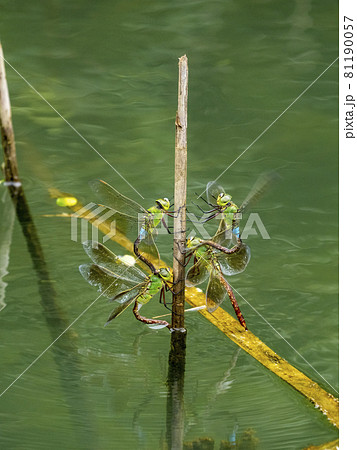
(333, 445)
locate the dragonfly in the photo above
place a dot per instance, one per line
(210, 262)
(132, 219)
(229, 212)
(123, 283)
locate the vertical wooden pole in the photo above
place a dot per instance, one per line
(7, 132)
(177, 356)
(180, 197)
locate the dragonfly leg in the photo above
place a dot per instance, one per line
(172, 213)
(187, 260)
(202, 210)
(162, 296)
(168, 288)
(182, 289)
(165, 225)
(234, 302)
(226, 250)
(214, 198)
(181, 232)
(212, 216)
(143, 319)
(208, 203)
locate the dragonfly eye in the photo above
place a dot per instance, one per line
(165, 273)
(163, 203)
(223, 199)
(193, 242)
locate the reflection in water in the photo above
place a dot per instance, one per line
(300, 19)
(246, 441)
(6, 227)
(65, 351)
(224, 384)
(175, 398)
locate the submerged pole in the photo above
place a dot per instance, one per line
(180, 197)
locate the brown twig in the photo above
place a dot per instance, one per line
(180, 197)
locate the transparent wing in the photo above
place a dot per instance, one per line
(224, 235)
(260, 187)
(124, 223)
(235, 262)
(125, 299)
(148, 247)
(213, 189)
(197, 274)
(102, 256)
(127, 225)
(215, 292)
(112, 198)
(107, 282)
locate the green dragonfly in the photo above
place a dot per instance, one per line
(132, 219)
(229, 212)
(210, 262)
(123, 283)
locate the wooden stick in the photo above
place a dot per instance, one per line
(7, 132)
(177, 357)
(180, 197)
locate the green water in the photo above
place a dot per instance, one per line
(110, 69)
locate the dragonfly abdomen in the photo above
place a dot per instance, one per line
(233, 301)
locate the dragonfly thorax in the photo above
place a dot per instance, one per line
(153, 218)
(154, 286)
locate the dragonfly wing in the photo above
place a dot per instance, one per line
(108, 283)
(235, 262)
(213, 189)
(119, 309)
(125, 299)
(224, 235)
(215, 292)
(112, 198)
(124, 223)
(148, 246)
(260, 187)
(197, 274)
(102, 256)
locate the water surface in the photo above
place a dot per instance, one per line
(110, 69)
